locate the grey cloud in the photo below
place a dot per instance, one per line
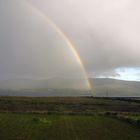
(105, 32)
(30, 48)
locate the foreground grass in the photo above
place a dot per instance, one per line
(64, 127)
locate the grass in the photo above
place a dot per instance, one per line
(24, 118)
(66, 104)
(134, 117)
(64, 127)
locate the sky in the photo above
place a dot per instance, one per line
(105, 33)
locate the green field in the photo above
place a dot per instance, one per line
(69, 118)
(67, 105)
(64, 127)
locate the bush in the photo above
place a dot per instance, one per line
(35, 119)
(138, 122)
(111, 113)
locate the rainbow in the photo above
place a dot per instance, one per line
(68, 42)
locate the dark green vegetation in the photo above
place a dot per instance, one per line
(68, 105)
(68, 118)
(63, 127)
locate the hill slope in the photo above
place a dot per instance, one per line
(101, 88)
(115, 88)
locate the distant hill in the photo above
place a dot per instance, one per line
(54, 83)
(115, 88)
(101, 88)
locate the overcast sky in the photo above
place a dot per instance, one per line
(106, 33)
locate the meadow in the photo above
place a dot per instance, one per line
(63, 127)
(64, 105)
(68, 118)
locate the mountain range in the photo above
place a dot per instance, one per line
(102, 87)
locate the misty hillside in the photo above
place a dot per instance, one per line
(54, 83)
(52, 87)
(112, 87)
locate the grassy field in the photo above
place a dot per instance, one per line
(64, 127)
(69, 118)
(67, 105)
